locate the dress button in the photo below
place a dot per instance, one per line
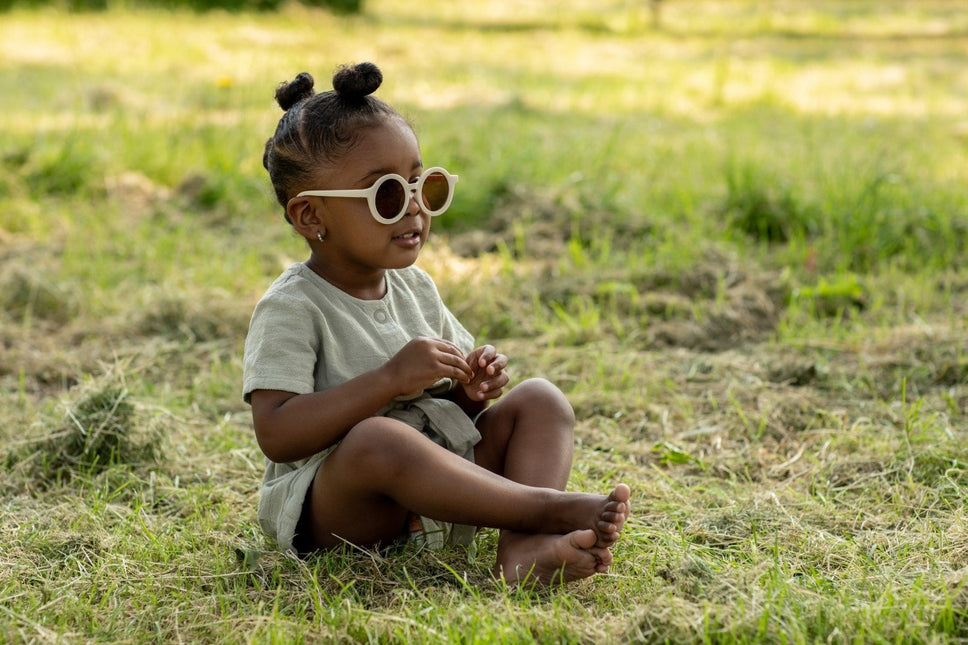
(381, 316)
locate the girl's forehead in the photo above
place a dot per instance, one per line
(390, 145)
(391, 136)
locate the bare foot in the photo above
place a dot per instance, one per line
(613, 516)
(550, 559)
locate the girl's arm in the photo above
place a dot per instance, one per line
(291, 426)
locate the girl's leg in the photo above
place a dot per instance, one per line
(528, 437)
(383, 468)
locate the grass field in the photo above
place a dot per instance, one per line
(736, 239)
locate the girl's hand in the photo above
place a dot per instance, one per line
(489, 377)
(424, 361)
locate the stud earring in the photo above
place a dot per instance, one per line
(319, 236)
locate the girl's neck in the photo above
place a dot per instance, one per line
(369, 286)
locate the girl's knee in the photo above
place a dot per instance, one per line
(375, 441)
(542, 394)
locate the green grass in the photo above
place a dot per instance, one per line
(736, 239)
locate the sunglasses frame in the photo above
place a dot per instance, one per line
(411, 190)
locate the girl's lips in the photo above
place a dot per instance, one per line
(408, 239)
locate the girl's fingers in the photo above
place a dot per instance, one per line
(490, 394)
(493, 387)
(498, 364)
(487, 355)
(450, 348)
(458, 363)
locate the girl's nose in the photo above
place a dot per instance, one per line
(413, 202)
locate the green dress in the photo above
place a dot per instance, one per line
(307, 336)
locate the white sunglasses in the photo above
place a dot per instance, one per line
(390, 195)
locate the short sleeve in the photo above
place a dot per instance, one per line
(281, 347)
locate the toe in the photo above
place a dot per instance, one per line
(585, 539)
(621, 493)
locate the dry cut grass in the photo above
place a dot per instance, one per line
(758, 314)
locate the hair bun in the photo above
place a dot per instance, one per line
(357, 81)
(300, 88)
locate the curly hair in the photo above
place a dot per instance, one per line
(318, 128)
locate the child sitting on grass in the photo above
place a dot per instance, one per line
(368, 397)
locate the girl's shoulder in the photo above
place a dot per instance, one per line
(297, 279)
(296, 287)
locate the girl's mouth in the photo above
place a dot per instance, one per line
(410, 239)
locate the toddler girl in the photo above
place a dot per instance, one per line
(369, 399)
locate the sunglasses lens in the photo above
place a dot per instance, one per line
(435, 191)
(390, 198)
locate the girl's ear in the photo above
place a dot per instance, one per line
(306, 217)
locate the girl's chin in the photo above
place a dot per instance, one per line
(401, 259)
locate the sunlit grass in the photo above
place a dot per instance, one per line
(662, 118)
(735, 238)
